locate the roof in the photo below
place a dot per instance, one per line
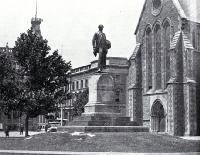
(186, 42)
(188, 9)
(135, 51)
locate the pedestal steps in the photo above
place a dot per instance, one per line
(101, 121)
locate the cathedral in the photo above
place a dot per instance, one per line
(163, 84)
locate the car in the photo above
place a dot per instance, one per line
(52, 129)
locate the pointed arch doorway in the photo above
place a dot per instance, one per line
(157, 117)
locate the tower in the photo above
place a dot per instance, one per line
(35, 23)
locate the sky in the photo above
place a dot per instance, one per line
(69, 25)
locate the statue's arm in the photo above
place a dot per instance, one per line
(94, 43)
(104, 36)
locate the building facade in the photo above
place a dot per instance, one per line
(164, 75)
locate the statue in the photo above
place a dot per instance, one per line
(101, 46)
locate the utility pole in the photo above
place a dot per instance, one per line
(61, 113)
(70, 100)
(61, 107)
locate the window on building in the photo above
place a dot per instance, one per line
(149, 57)
(117, 96)
(194, 39)
(77, 85)
(166, 43)
(73, 85)
(157, 45)
(198, 38)
(86, 83)
(81, 84)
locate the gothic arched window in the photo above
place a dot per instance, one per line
(166, 43)
(157, 50)
(198, 38)
(149, 57)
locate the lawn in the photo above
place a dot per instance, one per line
(102, 142)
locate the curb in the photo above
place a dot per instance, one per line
(23, 152)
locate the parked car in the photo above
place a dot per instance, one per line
(52, 129)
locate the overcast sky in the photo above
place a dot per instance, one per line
(69, 25)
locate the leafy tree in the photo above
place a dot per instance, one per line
(43, 75)
(9, 83)
(80, 99)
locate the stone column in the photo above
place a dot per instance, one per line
(153, 65)
(190, 109)
(136, 102)
(190, 94)
(175, 93)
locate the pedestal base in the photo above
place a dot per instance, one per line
(103, 129)
(102, 119)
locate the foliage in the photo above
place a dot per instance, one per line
(43, 75)
(9, 83)
(80, 99)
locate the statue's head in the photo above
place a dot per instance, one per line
(100, 27)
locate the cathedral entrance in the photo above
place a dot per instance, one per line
(157, 117)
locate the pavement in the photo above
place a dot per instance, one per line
(22, 152)
(191, 138)
(16, 133)
(31, 133)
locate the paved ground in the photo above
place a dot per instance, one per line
(191, 137)
(22, 152)
(16, 133)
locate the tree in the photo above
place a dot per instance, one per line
(43, 75)
(80, 99)
(9, 83)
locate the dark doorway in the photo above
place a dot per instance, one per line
(157, 117)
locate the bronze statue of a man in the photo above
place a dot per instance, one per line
(101, 46)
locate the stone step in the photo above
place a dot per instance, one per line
(108, 122)
(91, 123)
(103, 129)
(97, 118)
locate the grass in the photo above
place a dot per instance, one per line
(102, 142)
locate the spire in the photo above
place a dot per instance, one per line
(35, 23)
(36, 10)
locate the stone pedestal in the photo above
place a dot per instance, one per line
(101, 95)
(101, 110)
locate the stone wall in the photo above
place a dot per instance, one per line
(135, 108)
(197, 77)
